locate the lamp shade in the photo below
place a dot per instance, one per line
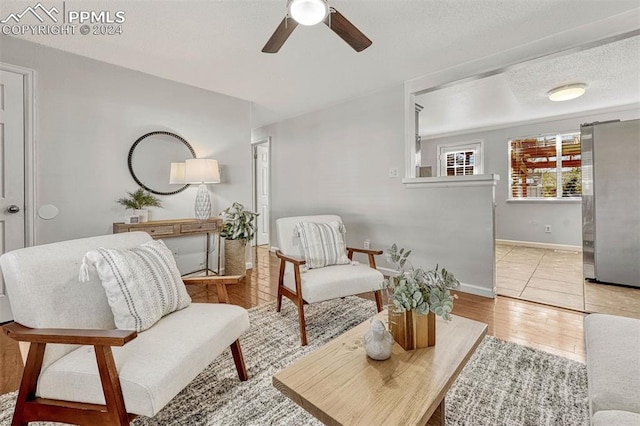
(201, 170)
(308, 12)
(177, 174)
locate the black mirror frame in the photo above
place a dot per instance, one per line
(130, 158)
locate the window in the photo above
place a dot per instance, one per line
(546, 166)
(460, 159)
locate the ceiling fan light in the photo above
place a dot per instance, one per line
(308, 12)
(568, 92)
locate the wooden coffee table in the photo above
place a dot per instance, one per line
(340, 385)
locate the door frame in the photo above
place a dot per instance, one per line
(254, 181)
(30, 213)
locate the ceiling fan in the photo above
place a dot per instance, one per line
(312, 12)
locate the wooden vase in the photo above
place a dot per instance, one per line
(411, 330)
(234, 257)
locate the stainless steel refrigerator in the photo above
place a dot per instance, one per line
(611, 201)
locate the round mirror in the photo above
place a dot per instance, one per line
(150, 159)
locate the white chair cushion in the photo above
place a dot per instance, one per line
(335, 281)
(323, 243)
(44, 291)
(142, 283)
(615, 418)
(156, 365)
(613, 372)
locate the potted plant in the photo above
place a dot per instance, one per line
(238, 227)
(137, 201)
(415, 296)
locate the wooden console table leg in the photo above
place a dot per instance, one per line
(208, 249)
(219, 254)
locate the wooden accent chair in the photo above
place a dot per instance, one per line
(79, 369)
(317, 285)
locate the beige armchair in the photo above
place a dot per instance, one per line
(82, 370)
(303, 286)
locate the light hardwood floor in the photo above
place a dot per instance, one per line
(554, 277)
(554, 330)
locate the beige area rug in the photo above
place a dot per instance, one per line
(503, 383)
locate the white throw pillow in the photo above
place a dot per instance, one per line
(323, 243)
(143, 284)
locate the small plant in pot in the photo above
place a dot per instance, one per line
(415, 297)
(137, 201)
(238, 228)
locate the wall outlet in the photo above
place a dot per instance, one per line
(394, 172)
(547, 229)
(367, 244)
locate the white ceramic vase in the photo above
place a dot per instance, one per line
(378, 342)
(143, 213)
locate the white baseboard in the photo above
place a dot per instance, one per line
(549, 246)
(5, 309)
(273, 249)
(465, 288)
(249, 265)
(477, 290)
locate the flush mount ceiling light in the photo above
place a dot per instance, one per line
(308, 12)
(566, 93)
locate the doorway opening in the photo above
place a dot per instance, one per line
(261, 154)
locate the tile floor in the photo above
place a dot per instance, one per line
(554, 277)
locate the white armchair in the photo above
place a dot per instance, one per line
(303, 286)
(91, 373)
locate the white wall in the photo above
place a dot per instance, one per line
(525, 221)
(89, 113)
(337, 160)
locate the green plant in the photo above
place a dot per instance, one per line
(239, 224)
(417, 289)
(572, 183)
(549, 184)
(139, 199)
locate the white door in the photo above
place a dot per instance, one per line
(262, 192)
(11, 171)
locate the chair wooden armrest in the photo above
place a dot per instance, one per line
(28, 406)
(70, 336)
(365, 251)
(369, 253)
(293, 260)
(221, 283)
(213, 279)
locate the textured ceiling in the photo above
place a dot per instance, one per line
(216, 45)
(611, 73)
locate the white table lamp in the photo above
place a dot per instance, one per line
(202, 171)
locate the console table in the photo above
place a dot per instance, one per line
(178, 228)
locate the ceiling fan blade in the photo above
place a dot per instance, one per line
(347, 31)
(280, 35)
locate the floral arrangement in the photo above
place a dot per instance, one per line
(417, 289)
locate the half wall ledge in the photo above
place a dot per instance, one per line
(451, 181)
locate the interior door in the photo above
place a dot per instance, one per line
(12, 235)
(262, 192)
